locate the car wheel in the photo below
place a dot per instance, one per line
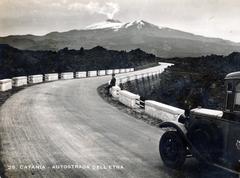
(172, 150)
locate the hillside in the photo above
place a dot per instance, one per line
(198, 81)
(15, 62)
(115, 35)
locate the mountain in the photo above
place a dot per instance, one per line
(113, 34)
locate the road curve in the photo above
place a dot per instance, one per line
(46, 127)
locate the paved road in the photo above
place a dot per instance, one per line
(46, 127)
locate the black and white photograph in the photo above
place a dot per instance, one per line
(119, 89)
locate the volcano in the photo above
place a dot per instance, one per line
(114, 34)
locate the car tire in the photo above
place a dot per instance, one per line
(172, 149)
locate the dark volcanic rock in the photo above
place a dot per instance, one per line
(15, 62)
(191, 81)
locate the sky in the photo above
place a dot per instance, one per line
(212, 18)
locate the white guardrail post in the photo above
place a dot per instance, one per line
(109, 71)
(101, 72)
(82, 74)
(162, 111)
(115, 91)
(32, 79)
(116, 71)
(122, 70)
(19, 81)
(128, 99)
(127, 70)
(92, 73)
(66, 75)
(5, 84)
(50, 77)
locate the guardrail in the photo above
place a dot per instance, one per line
(124, 79)
(32, 79)
(50, 77)
(129, 99)
(109, 72)
(162, 111)
(122, 70)
(67, 75)
(152, 108)
(101, 72)
(7, 84)
(135, 102)
(92, 73)
(81, 74)
(116, 71)
(19, 81)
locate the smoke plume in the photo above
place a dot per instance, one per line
(109, 8)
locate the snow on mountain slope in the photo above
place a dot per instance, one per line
(110, 23)
(139, 24)
(116, 25)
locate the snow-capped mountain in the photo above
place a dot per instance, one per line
(113, 34)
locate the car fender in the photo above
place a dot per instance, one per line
(179, 127)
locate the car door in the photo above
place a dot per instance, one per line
(233, 145)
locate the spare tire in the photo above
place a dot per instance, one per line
(207, 139)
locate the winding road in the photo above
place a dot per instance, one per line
(65, 129)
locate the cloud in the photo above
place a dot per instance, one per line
(76, 6)
(109, 8)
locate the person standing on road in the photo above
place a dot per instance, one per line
(112, 83)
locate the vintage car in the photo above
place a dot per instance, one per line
(211, 136)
